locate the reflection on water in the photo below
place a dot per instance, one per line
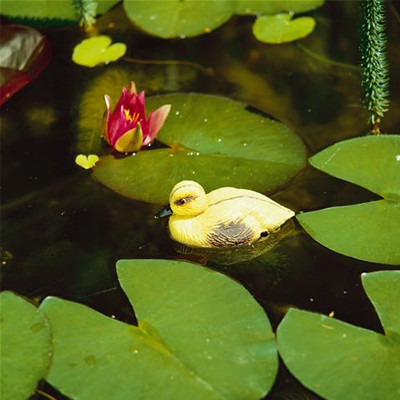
(62, 233)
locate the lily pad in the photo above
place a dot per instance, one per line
(25, 347)
(48, 10)
(177, 18)
(280, 28)
(368, 231)
(340, 361)
(215, 141)
(200, 336)
(275, 6)
(97, 50)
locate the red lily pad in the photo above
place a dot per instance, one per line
(24, 53)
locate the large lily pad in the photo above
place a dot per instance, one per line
(177, 18)
(49, 9)
(200, 336)
(275, 6)
(340, 361)
(25, 347)
(368, 231)
(215, 141)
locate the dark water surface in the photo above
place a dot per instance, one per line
(62, 232)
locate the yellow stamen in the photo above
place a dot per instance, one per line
(134, 118)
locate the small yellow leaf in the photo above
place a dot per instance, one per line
(96, 50)
(86, 162)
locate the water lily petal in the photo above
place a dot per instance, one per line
(130, 141)
(117, 125)
(156, 122)
(132, 88)
(106, 118)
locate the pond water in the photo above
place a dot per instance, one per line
(62, 232)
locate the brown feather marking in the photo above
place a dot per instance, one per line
(233, 233)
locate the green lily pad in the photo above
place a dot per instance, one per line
(200, 336)
(177, 18)
(275, 6)
(48, 9)
(25, 347)
(368, 231)
(97, 50)
(280, 28)
(340, 361)
(215, 141)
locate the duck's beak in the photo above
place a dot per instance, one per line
(164, 212)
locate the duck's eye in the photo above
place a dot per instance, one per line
(180, 202)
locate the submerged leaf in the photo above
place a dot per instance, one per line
(280, 28)
(340, 361)
(200, 336)
(368, 231)
(213, 140)
(25, 347)
(97, 50)
(24, 53)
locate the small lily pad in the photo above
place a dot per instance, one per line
(25, 347)
(275, 6)
(86, 162)
(339, 361)
(368, 231)
(200, 336)
(176, 18)
(215, 141)
(280, 28)
(97, 50)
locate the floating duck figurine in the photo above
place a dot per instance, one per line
(222, 218)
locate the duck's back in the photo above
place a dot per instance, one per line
(243, 211)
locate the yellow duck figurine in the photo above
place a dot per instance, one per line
(225, 217)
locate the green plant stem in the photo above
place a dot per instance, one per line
(326, 60)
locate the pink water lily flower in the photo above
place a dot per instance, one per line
(126, 128)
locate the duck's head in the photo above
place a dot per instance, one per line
(187, 199)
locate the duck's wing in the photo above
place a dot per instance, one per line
(232, 233)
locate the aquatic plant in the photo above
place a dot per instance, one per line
(340, 361)
(375, 75)
(367, 231)
(127, 129)
(86, 12)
